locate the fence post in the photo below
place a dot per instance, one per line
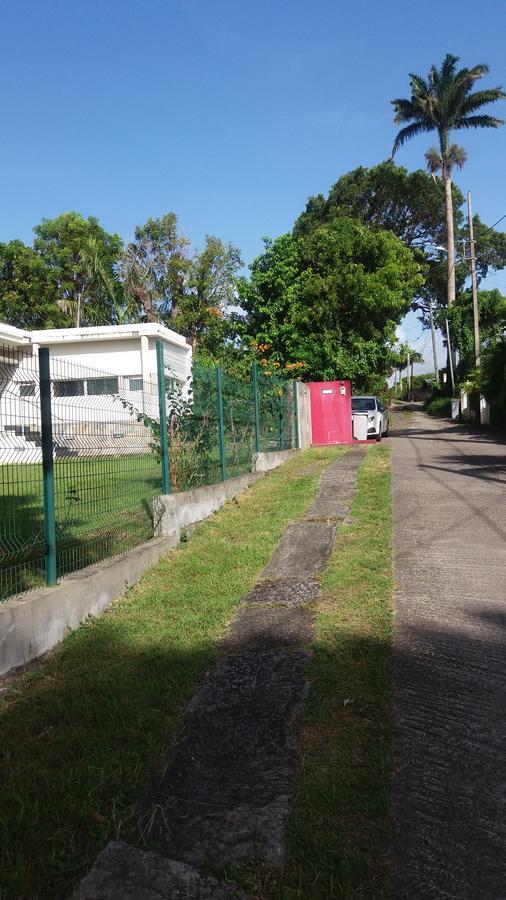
(221, 425)
(256, 407)
(46, 435)
(162, 402)
(281, 424)
(296, 414)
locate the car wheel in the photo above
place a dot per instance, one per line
(378, 439)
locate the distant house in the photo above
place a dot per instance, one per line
(103, 378)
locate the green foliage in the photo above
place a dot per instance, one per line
(203, 315)
(153, 268)
(492, 316)
(493, 378)
(386, 197)
(80, 257)
(28, 297)
(439, 406)
(328, 301)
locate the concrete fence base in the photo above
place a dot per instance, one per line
(34, 623)
(176, 512)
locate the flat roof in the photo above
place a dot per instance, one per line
(11, 335)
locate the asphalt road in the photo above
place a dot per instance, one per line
(450, 661)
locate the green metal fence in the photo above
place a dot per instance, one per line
(83, 454)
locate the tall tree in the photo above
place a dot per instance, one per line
(328, 303)
(204, 311)
(80, 257)
(445, 102)
(28, 296)
(153, 268)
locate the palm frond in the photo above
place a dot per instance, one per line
(405, 110)
(410, 131)
(478, 122)
(456, 156)
(418, 84)
(448, 66)
(481, 98)
(434, 160)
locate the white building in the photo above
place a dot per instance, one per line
(103, 380)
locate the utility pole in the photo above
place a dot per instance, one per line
(434, 352)
(474, 286)
(450, 357)
(408, 378)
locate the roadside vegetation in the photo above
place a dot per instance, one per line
(81, 732)
(439, 407)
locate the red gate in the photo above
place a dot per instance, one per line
(331, 412)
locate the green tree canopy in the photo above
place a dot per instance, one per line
(327, 303)
(28, 297)
(492, 315)
(210, 293)
(153, 269)
(80, 257)
(386, 197)
(412, 206)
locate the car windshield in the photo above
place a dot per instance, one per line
(363, 404)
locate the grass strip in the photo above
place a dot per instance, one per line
(339, 828)
(81, 733)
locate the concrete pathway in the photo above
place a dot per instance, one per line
(450, 661)
(224, 797)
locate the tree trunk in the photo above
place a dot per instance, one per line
(450, 236)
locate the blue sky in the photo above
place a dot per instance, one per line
(229, 113)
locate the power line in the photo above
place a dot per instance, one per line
(499, 220)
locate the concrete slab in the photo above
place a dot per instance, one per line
(303, 550)
(224, 797)
(284, 592)
(125, 873)
(337, 488)
(450, 660)
(263, 628)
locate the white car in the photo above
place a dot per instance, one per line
(377, 415)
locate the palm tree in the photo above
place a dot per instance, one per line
(443, 103)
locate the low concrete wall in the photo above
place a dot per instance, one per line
(179, 511)
(264, 462)
(33, 624)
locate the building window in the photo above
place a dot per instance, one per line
(99, 386)
(27, 389)
(71, 388)
(135, 384)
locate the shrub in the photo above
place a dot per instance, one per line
(440, 407)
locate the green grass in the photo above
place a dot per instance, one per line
(80, 734)
(103, 507)
(340, 822)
